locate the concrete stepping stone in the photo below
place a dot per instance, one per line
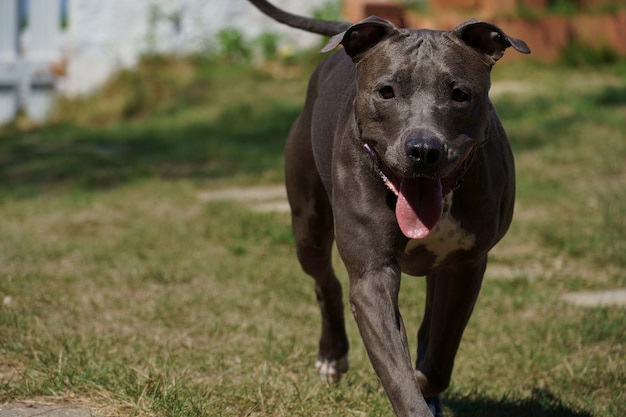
(270, 198)
(28, 410)
(607, 298)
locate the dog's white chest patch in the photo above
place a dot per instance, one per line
(448, 236)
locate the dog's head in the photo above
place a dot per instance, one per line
(422, 105)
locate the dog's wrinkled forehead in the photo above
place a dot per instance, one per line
(422, 54)
(485, 38)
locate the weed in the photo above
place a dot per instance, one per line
(331, 10)
(565, 7)
(577, 54)
(233, 45)
(268, 43)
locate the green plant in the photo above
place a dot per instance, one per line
(566, 7)
(233, 45)
(418, 5)
(268, 43)
(578, 54)
(331, 10)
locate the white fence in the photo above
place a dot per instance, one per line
(26, 81)
(105, 36)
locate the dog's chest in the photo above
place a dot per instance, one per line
(421, 256)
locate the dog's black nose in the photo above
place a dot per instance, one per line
(425, 151)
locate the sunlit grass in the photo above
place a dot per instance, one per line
(124, 290)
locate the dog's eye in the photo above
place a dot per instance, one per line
(386, 92)
(460, 95)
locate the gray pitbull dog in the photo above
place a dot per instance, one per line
(399, 157)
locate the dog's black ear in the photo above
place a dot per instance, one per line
(488, 38)
(362, 36)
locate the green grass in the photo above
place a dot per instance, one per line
(124, 291)
(171, 120)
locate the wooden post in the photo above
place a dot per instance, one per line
(44, 26)
(9, 100)
(45, 20)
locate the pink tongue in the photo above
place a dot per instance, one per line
(419, 206)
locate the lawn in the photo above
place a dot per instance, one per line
(125, 291)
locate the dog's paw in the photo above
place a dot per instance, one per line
(434, 404)
(331, 370)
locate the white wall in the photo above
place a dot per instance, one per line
(107, 35)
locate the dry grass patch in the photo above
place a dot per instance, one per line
(124, 289)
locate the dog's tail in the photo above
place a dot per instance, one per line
(321, 27)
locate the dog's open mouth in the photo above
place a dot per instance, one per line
(420, 200)
(419, 206)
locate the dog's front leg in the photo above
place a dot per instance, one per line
(374, 301)
(367, 237)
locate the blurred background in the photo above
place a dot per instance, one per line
(71, 47)
(147, 265)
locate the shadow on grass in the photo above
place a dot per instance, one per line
(542, 403)
(241, 141)
(613, 96)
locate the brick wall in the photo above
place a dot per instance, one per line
(546, 35)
